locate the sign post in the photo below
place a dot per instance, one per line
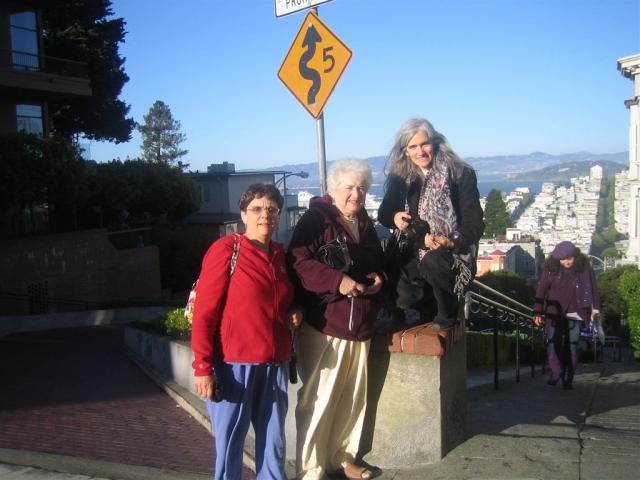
(311, 69)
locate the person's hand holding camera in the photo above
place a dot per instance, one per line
(435, 242)
(350, 288)
(402, 220)
(375, 286)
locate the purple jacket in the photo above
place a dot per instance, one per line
(582, 294)
(310, 277)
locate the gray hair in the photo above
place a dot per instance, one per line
(348, 165)
(400, 165)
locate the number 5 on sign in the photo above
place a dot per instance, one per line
(314, 64)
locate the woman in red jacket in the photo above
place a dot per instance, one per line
(241, 338)
(332, 344)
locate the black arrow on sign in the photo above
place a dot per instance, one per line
(310, 39)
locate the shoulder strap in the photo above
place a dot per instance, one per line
(234, 255)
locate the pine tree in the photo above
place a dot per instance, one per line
(161, 136)
(84, 30)
(496, 217)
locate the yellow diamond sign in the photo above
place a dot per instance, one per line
(314, 64)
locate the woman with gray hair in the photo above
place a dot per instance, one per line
(433, 194)
(340, 304)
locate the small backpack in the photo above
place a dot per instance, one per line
(191, 301)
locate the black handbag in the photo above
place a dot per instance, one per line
(335, 253)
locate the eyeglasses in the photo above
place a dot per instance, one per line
(273, 211)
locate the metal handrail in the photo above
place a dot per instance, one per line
(501, 295)
(509, 314)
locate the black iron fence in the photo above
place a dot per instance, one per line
(507, 315)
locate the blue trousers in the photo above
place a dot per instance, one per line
(253, 394)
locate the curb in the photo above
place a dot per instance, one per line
(69, 465)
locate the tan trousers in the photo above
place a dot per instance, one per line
(331, 402)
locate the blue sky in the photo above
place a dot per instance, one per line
(495, 76)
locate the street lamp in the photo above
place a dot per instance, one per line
(285, 175)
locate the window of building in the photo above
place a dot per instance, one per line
(29, 119)
(24, 41)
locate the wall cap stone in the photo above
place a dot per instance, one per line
(418, 340)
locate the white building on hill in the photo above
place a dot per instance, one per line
(630, 68)
(564, 213)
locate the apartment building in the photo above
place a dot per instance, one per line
(516, 252)
(220, 188)
(29, 79)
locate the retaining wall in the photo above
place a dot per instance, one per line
(417, 399)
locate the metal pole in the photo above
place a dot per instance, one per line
(544, 351)
(322, 159)
(284, 206)
(517, 349)
(495, 352)
(533, 351)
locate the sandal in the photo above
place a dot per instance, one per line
(356, 472)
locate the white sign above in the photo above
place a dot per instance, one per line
(285, 7)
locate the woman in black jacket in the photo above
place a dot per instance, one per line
(434, 194)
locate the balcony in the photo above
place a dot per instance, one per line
(49, 77)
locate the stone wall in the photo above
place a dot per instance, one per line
(417, 396)
(74, 271)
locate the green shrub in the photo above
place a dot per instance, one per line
(152, 324)
(629, 288)
(176, 325)
(480, 349)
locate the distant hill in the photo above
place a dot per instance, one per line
(566, 171)
(521, 167)
(534, 166)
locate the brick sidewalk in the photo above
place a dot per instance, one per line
(73, 392)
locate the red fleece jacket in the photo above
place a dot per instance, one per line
(243, 318)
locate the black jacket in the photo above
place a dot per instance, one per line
(464, 196)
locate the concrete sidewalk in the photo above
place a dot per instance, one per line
(523, 431)
(534, 431)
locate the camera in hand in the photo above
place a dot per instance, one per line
(363, 279)
(417, 230)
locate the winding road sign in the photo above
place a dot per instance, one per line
(314, 64)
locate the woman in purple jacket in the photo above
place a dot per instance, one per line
(566, 299)
(332, 344)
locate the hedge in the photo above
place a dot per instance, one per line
(480, 349)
